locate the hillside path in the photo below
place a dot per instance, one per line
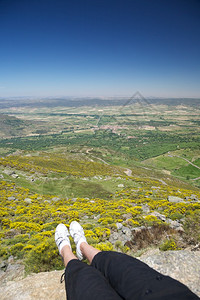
(128, 172)
(185, 160)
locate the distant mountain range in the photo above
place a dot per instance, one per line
(76, 102)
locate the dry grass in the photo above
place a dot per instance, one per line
(153, 236)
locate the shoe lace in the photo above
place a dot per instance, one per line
(62, 278)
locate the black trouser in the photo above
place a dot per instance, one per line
(113, 276)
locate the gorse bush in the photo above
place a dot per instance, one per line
(168, 244)
(17, 250)
(4, 253)
(43, 257)
(104, 246)
(47, 162)
(192, 228)
(120, 247)
(27, 227)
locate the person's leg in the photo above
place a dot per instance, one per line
(82, 282)
(67, 255)
(133, 279)
(88, 251)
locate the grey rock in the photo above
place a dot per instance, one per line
(194, 197)
(47, 201)
(124, 235)
(180, 228)
(127, 231)
(137, 229)
(12, 272)
(41, 286)
(9, 172)
(11, 259)
(85, 217)
(55, 199)
(121, 185)
(175, 224)
(15, 175)
(115, 236)
(3, 265)
(74, 199)
(28, 200)
(127, 216)
(119, 225)
(175, 199)
(11, 198)
(97, 217)
(145, 208)
(182, 265)
(158, 215)
(159, 209)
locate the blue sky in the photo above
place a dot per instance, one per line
(100, 48)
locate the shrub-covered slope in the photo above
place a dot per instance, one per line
(130, 220)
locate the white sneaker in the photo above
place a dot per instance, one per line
(77, 233)
(62, 237)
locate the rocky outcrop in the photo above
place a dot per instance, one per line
(40, 286)
(9, 272)
(192, 198)
(124, 234)
(175, 199)
(182, 265)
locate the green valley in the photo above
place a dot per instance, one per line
(111, 164)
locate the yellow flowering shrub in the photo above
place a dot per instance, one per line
(43, 257)
(102, 233)
(104, 246)
(168, 244)
(4, 253)
(151, 220)
(5, 223)
(132, 223)
(25, 227)
(105, 220)
(119, 247)
(28, 248)
(17, 250)
(30, 226)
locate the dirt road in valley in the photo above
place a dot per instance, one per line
(171, 155)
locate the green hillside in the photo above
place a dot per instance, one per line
(40, 190)
(129, 174)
